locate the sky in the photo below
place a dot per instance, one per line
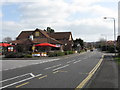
(119, 18)
(84, 18)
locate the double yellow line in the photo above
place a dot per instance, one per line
(91, 73)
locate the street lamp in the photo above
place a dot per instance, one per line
(78, 47)
(105, 36)
(114, 32)
(105, 40)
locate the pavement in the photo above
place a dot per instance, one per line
(106, 76)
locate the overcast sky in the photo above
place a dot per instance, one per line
(84, 18)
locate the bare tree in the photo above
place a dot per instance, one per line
(7, 39)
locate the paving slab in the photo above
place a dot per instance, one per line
(106, 76)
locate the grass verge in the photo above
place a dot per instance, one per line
(118, 60)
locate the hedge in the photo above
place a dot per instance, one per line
(17, 55)
(54, 54)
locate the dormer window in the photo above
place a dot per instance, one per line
(37, 34)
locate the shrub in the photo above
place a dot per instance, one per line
(54, 54)
(28, 56)
(60, 53)
(51, 54)
(66, 52)
(111, 49)
(14, 55)
(118, 59)
(119, 54)
(70, 52)
(79, 51)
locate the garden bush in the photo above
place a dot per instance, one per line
(51, 54)
(14, 55)
(28, 56)
(111, 49)
(60, 53)
(70, 52)
(54, 54)
(66, 52)
(79, 51)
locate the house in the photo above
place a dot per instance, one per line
(26, 40)
(63, 37)
(110, 42)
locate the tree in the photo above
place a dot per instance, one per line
(50, 30)
(44, 30)
(7, 39)
(78, 42)
(102, 44)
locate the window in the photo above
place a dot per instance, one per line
(37, 34)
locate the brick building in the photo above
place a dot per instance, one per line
(26, 39)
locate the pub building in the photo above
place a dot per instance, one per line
(59, 41)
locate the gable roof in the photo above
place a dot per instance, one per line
(52, 40)
(23, 41)
(60, 35)
(55, 37)
(46, 40)
(44, 33)
(24, 34)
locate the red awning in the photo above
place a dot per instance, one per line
(5, 44)
(46, 44)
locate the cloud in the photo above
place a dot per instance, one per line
(89, 29)
(10, 28)
(56, 14)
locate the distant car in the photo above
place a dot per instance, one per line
(91, 50)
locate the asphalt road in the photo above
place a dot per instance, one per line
(67, 72)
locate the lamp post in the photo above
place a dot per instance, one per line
(114, 31)
(105, 40)
(78, 47)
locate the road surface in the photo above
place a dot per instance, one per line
(68, 72)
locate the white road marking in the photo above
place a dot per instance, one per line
(14, 77)
(77, 61)
(70, 61)
(13, 66)
(60, 67)
(56, 59)
(52, 67)
(55, 72)
(32, 74)
(20, 81)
